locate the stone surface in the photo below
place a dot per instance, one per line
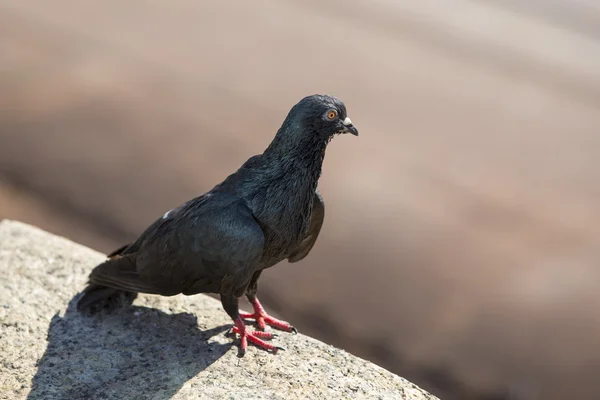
(160, 348)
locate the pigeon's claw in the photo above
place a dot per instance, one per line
(254, 338)
(263, 319)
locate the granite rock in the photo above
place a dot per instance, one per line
(160, 348)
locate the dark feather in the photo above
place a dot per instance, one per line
(316, 222)
(121, 273)
(97, 297)
(118, 251)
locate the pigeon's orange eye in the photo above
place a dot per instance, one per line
(331, 114)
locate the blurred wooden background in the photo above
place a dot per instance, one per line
(462, 236)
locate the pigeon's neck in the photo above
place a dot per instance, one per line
(297, 165)
(284, 199)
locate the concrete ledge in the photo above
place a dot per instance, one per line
(161, 348)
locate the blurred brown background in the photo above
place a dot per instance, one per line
(461, 242)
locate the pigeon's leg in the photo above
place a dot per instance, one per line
(260, 315)
(230, 304)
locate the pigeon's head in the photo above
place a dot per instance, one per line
(319, 117)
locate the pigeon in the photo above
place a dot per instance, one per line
(220, 242)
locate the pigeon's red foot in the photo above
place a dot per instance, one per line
(263, 319)
(254, 338)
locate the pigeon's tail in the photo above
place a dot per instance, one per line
(98, 297)
(114, 282)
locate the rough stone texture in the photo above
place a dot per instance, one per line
(160, 348)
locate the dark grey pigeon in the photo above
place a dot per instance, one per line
(220, 242)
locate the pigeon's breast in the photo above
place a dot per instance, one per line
(283, 235)
(283, 210)
(277, 247)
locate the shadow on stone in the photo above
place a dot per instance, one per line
(134, 352)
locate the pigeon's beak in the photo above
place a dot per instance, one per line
(348, 127)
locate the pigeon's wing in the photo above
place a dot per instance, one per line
(204, 248)
(316, 221)
(133, 247)
(214, 247)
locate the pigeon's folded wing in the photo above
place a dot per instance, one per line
(215, 251)
(316, 221)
